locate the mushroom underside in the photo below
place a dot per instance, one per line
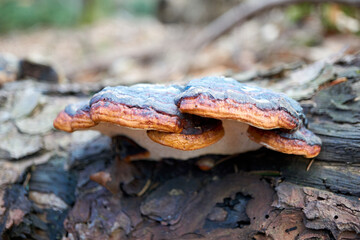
(235, 141)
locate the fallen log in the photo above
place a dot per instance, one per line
(259, 195)
(256, 195)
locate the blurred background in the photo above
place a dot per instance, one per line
(129, 41)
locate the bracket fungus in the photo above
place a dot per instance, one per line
(301, 142)
(132, 111)
(208, 116)
(228, 100)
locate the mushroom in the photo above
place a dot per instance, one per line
(239, 104)
(301, 142)
(132, 110)
(209, 116)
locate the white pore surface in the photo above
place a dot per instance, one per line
(234, 141)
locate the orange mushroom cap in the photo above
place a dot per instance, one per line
(74, 117)
(300, 142)
(197, 133)
(225, 98)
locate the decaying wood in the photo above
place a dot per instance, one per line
(322, 209)
(256, 195)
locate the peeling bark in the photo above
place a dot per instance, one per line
(322, 209)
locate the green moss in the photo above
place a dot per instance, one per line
(298, 12)
(16, 14)
(23, 14)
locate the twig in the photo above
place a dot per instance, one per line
(239, 14)
(310, 164)
(145, 188)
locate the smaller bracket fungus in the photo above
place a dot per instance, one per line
(197, 133)
(301, 142)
